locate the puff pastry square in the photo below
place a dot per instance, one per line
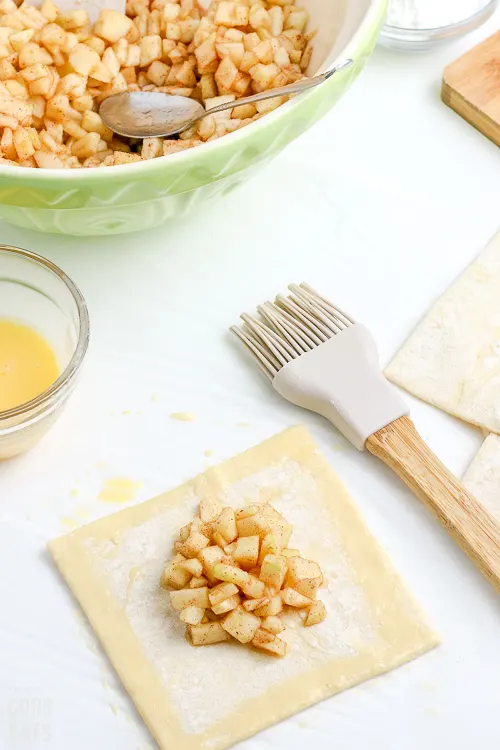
(452, 358)
(482, 477)
(209, 698)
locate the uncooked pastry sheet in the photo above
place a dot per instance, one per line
(210, 698)
(452, 359)
(482, 477)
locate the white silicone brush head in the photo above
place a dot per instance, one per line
(317, 357)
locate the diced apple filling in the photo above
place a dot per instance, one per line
(233, 576)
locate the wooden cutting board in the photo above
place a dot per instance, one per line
(471, 86)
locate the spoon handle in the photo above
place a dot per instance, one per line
(291, 88)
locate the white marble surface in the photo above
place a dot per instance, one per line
(380, 206)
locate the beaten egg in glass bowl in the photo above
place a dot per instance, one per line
(46, 316)
(139, 195)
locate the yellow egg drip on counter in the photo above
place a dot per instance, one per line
(28, 365)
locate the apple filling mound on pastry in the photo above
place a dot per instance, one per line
(234, 576)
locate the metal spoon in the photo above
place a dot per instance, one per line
(145, 114)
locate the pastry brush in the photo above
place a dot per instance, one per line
(318, 357)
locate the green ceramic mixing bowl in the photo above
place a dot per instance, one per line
(141, 195)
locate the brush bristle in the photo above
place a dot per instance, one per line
(289, 327)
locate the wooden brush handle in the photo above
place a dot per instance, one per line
(400, 447)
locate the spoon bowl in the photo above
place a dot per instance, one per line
(146, 114)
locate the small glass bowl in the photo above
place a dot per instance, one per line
(36, 292)
(398, 37)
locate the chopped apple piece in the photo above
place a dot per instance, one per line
(112, 25)
(229, 548)
(203, 527)
(241, 625)
(273, 571)
(273, 624)
(250, 510)
(230, 574)
(175, 577)
(193, 566)
(304, 576)
(82, 59)
(221, 592)
(227, 605)
(232, 14)
(253, 588)
(278, 525)
(193, 544)
(206, 56)
(316, 614)
(226, 525)
(246, 552)
(192, 615)
(273, 516)
(263, 636)
(269, 642)
(218, 539)
(196, 524)
(208, 633)
(209, 556)
(252, 604)
(269, 546)
(255, 525)
(293, 599)
(198, 583)
(209, 509)
(273, 607)
(190, 598)
(184, 532)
